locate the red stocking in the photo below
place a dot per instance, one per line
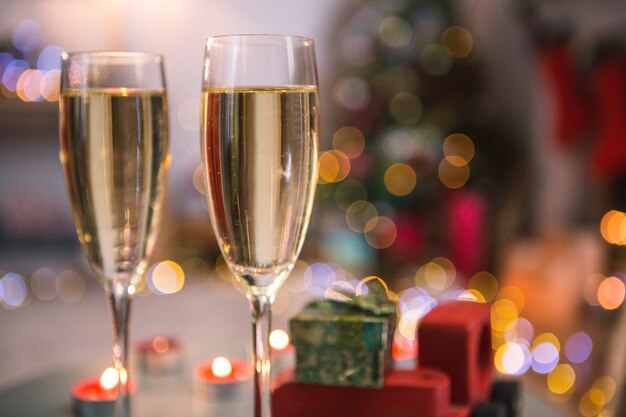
(609, 157)
(571, 113)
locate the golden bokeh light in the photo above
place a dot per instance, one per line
(561, 379)
(484, 283)
(400, 179)
(333, 166)
(406, 108)
(587, 406)
(359, 214)
(380, 232)
(279, 339)
(42, 283)
(504, 314)
(436, 275)
(349, 140)
(514, 294)
(457, 41)
(611, 293)
(451, 175)
(613, 227)
(166, 277)
(458, 149)
(547, 338)
(606, 385)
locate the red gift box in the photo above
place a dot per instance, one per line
(455, 338)
(405, 393)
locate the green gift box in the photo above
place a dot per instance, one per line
(344, 342)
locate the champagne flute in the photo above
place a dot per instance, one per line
(260, 123)
(114, 153)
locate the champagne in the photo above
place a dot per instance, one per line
(259, 148)
(114, 154)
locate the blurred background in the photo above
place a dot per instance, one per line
(469, 150)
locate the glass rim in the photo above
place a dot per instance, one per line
(260, 35)
(112, 54)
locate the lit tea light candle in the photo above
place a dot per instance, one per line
(160, 356)
(283, 352)
(221, 379)
(95, 397)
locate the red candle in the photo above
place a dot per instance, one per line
(221, 379)
(160, 356)
(96, 396)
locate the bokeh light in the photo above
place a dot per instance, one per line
(578, 347)
(611, 293)
(318, 277)
(547, 338)
(188, 115)
(29, 85)
(380, 232)
(504, 314)
(333, 166)
(406, 108)
(50, 85)
(279, 339)
(26, 35)
(515, 295)
(359, 214)
(165, 277)
(50, 58)
(415, 299)
(394, 32)
(522, 329)
(197, 179)
(590, 288)
(485, 283)
(436, 275)
(613, 227)
(561, 379)
(349, 191)
(545, 357)
(43, 284)
(587, 406)
(451, 175)
(435, 59)
(13, 290)
(512, 358)
(457, 41)
(349, 140)
(400, 179)
(458, 145)
(12, 74)
(353, 93)
(70, 285)
(607, 386)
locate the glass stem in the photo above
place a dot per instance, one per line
(260, 306)
(119, 300)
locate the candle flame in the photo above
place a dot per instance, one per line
(109, 378)
(221, 367)
(279, 339)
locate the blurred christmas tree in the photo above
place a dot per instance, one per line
(418, 160)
